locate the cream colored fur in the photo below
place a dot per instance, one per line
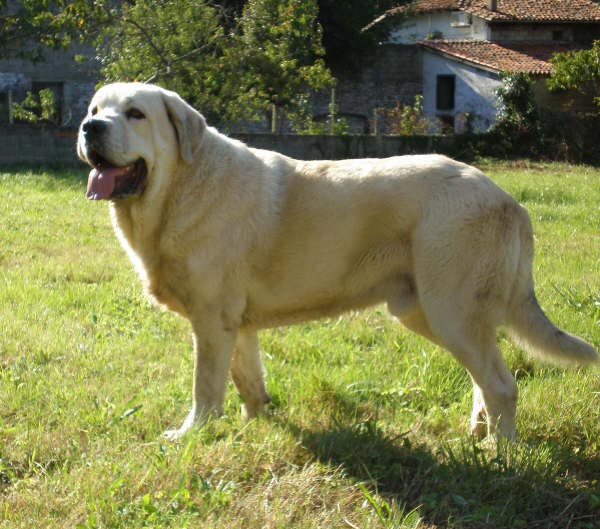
(238, 239)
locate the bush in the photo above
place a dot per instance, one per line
(518, 129)
(407, 120)
(40, 108)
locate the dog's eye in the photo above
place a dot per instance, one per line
(134, 113)
(94, 111)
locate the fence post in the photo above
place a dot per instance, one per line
(375, 122)
(11, 118)
(332, 112)
(273, 119)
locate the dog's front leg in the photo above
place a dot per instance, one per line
(213, 347)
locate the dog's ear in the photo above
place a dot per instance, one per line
(189, 124)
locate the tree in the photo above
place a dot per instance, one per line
(517, 102)
(518, 128)
(232, 63)
(578, 70)
(345, 42)
(278, 55)
(29, 27)
(175, 43)
(232, 60)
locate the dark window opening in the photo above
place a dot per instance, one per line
(53, 113)
(4, 112)
(445, 92)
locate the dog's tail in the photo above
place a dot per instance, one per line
(528, 324)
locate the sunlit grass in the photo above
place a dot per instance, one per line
(368, 425)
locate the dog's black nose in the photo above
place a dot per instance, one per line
(93, 127)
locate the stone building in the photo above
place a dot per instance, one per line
(466, 45)
(72, 81)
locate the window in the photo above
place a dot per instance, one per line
(460, 19)
(54, 111)
(445, 89)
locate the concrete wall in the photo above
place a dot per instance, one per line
(27, 144)
(475, 91)
(444, 24)
(24, 144)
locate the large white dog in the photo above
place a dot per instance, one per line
(238, 239)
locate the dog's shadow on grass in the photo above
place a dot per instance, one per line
(463, 484)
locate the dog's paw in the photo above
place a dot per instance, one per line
(174, 435)
(193, 419)
(251, 410)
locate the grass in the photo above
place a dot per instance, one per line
(368, 426)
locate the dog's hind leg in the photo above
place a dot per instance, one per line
(494, 409)
(472, 341)
(248, 374)
(478, 415)
(403, 303)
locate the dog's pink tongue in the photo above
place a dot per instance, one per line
(101, 182)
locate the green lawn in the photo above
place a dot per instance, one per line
(368, 426)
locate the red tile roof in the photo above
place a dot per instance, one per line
(498, 57)
(541, 11)
(535, 10)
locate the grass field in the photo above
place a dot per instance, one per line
(368, 425)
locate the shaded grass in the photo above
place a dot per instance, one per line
(368, 422)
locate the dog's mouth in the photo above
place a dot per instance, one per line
(110, 181)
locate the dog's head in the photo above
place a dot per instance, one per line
(130, 131)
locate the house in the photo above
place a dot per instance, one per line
(468, 44)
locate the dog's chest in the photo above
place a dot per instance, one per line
(163, 276)
(165, 283)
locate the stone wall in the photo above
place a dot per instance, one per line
(392, 75)
(28, 144)
(71, 74)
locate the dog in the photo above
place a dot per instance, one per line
(237, 239)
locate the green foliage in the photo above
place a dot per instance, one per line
(277, 58)
(407, 120)
(347, 46)
(304, 122)
(175, 43)
(29, 27)
(37, 108)
(518, 125)
(231, 63)
(517, 102)
(578, 70)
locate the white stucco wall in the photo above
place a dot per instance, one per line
(441, 25)
(475, 90)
